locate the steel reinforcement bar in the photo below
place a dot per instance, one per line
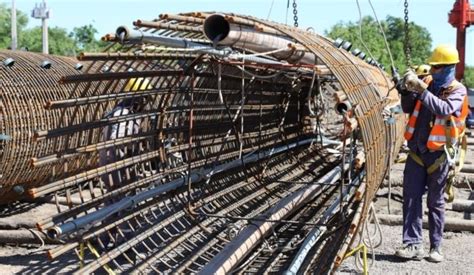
(237, 117)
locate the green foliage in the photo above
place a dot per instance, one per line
(84, 38)
(5, 24)
(393, 27)
(60, 41)
(469, 77)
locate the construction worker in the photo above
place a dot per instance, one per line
(119, 177)
(437, 109)
(125, 107)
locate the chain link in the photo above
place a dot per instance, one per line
(295, 13)
(407, 46)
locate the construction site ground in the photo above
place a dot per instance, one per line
(457, 246)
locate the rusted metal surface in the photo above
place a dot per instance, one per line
(25, 87)
(231, 137)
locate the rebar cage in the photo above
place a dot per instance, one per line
(246, 146)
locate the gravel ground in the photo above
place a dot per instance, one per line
(30, 260)
(458, 247)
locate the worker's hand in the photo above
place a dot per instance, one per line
(413, 83)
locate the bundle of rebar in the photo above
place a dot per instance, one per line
(241, 145)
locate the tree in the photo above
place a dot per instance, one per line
(469, 77)
(393, 27)
(84, 38)
(5, 24)
(59, 41)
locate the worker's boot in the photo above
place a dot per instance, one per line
(411, 251)
(435, 255)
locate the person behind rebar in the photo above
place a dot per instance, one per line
(117, 178)
(129, 127)
(437, 109)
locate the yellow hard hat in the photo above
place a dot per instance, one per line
(422, 70)
(444, 54)
(137, 84)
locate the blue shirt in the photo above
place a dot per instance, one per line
(431, 105)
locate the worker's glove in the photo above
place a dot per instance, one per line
(413, 83)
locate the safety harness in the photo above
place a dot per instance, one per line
(453, 142)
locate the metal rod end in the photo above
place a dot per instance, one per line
(54, 232)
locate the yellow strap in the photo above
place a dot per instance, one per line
(361, 248)
(433, 167)
(462, 153)
(449, 187)
(447, 130)
(462, 156)
(416, 158)
(94, 251)
(81, 255)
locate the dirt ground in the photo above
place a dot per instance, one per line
(458, 247)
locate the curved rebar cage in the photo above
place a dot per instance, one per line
(26, 83)
(219, 143)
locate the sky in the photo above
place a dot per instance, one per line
(107, 15)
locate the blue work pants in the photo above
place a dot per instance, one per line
(417, 181)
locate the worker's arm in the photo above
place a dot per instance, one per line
(408, 102)
(443, 107)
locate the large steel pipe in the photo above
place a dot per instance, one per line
(221, 31)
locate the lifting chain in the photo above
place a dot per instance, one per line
(295, 13)
(407, 46)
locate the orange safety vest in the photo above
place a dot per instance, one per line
(444, 127)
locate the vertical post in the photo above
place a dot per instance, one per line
(45, 35)
(461, 17)
(42, 12)
(461, 46)
(13, 25)
(461, 38)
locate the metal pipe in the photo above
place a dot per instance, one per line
(240, 246)
(195, 176)
(317, 232)
(134, 56)
(117, 76)
(187, 19)
(168, 26)
(220, 30)
(124, 34)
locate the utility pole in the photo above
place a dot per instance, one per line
(461, 17)
(14, 34)
(41, 12)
